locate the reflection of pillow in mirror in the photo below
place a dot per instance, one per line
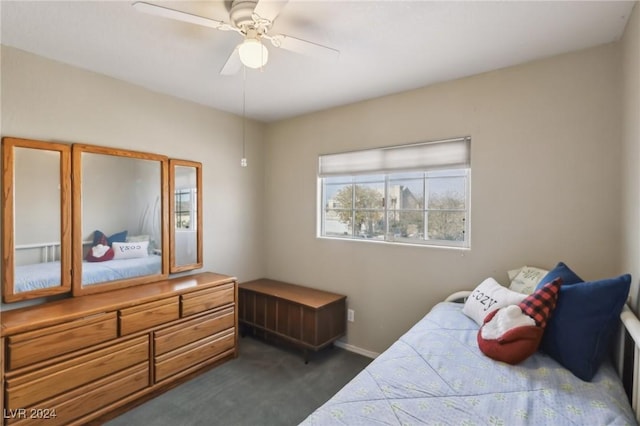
(99, 238)
(100, 252)
(130, 250)
(137, 238)
(119, 237)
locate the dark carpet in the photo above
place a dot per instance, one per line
(266, 385)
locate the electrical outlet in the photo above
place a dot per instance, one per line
(351, 315)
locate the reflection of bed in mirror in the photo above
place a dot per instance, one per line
(122, 193)
(46, 272)
(45, 275)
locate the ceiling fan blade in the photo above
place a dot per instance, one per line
(304, 47)
(269, 9)
(165, 12)
(233, 64)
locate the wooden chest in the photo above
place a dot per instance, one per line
(309, 318)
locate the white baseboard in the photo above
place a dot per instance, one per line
(355, 349)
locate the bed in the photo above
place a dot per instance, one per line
(38, 265)
(435, 374)
(47, 274)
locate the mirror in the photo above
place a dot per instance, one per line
(134, 218)
(185, 192)
(36, 219)
(120, 223)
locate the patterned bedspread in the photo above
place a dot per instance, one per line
(436, 375)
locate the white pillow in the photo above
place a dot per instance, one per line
(527, 279)
(130, 250)
(137, 238)
(512, 273)
(487, 297)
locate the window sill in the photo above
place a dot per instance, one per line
(396, 243)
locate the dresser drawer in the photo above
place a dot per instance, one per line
(188, 356)
(200, 301)
(173, 337)
(148, 315)
(25, 390)
(87, 399)
(45, 343)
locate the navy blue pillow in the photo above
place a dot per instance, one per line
(120, 237)
(581, 328)
(560, 271)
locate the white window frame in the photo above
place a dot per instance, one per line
(193, 200)
(429, 158)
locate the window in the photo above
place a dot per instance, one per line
(416, 194)
(185, 208)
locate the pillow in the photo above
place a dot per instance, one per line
(130, 250)
(100, 252)
(586, 318)
(562, 271)
(119, 237)
(488, 297)
(515, 345)
(512, 273)
(513, 333)
(136, 238)
(527, 278)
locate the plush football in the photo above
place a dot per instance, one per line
(513, 333)
(101, 251)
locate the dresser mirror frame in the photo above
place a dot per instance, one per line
(186, 242)
(74, 242)
(80, 236)
(47, 251)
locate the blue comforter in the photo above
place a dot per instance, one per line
(436, 375)
(45, 275)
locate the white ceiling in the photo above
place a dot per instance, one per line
(385, 46)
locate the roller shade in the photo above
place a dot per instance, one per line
(450, 153)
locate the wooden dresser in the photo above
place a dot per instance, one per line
(75, 360)
(306, 317)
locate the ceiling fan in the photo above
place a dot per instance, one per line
(253, 20)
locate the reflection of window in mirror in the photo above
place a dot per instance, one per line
(185, 214)
(185, 182)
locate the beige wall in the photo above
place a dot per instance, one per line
(47, 100)
(545, 173)
(545, 187)
(631, 148)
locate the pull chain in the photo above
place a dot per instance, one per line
(243, 160)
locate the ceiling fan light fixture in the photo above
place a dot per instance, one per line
(253, 53)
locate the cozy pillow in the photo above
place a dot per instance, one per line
(130, 250)
(584, 322)
(119, 237)
(527, 278)
(487, 297)
(513, 333)
(140, 238)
